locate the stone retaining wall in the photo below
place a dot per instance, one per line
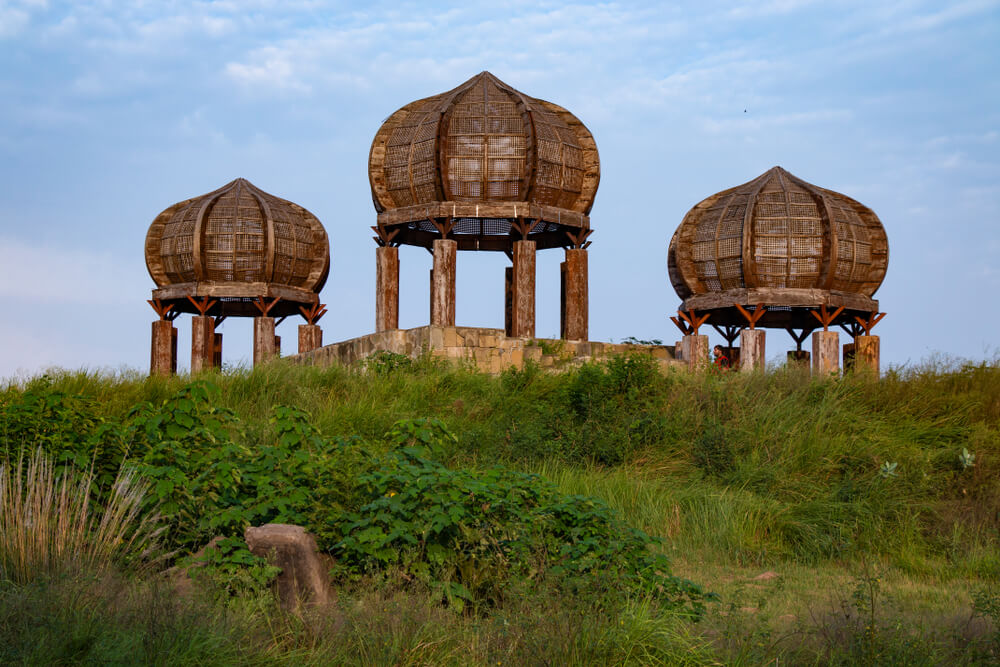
(490, 350)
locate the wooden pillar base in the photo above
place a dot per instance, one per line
(695, 351)
(310, 337)
(752, 355)
(202, 343)
(825, 353)
(866, 354)
(386, 289)
(575, 299)
(523, 290)
(163, 355)
(264, 343)
(799, 358)
(443, 283)
(847, 363)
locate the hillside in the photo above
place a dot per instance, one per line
(844, 520)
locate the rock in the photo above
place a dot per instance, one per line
(303, 579)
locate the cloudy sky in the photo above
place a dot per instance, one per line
(113, 111)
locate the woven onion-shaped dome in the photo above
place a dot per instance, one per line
(237, 242)
(483, 144)
(778, 232)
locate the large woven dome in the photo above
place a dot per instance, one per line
(782, 234)
(483, 154)
(236, 244)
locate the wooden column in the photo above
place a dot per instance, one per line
(386, 288)
(508, 300)
(575, 314)
(825, 352)
(163, 355)
(443, 283)
(523, 290)
(866, 354)
(310, 337)
(217, 350)
(695, 351)
(752, 356)
(264, 344)
(847, 362)
(202, 343)
(799, 358)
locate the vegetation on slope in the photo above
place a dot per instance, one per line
(857, 481)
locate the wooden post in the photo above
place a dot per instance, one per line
(799, 358)
(310, 337)
(695, 351)
(202, 343)
(848, 359)
(508, 300)
(443, 283)
(523, 293)
(752, 356)
(386, 289)
(866, 354)
(163, 355)
(576, 309)
(264, 347)
(217, 351)
(825, 353)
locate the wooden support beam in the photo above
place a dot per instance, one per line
(443, 283)
(752, 318)
(576, 314)
(264, 345)
(310, 338)
(866, 354)
(695, 322)
(694, 351)
(202, 343)
(386, 288)
(523, 290)
(825, 318)
(825, 353)
(752, 355)
(163, 353)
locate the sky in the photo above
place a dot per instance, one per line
(113, 111)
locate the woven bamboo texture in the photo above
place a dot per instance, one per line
(779, 232)
(484, 143)
(241, 239)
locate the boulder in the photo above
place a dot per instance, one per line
(304, 579)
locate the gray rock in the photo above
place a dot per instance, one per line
(304, 579)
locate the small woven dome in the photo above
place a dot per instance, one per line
(237, 241)
(778, 231)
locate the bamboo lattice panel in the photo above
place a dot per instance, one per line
(484, 142)
(778, 231)
(238, 234)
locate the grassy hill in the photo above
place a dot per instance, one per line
(844, 521)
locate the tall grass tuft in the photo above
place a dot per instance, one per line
(48, 521)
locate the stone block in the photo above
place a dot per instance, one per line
(304, 578)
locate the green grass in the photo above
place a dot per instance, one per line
(741, 474)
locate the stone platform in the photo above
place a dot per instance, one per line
(489, 350)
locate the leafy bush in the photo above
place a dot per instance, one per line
(467, 533)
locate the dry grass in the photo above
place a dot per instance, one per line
(49, 520)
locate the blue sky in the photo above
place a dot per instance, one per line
(113, 111)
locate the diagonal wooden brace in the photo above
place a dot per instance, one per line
(752, 318)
